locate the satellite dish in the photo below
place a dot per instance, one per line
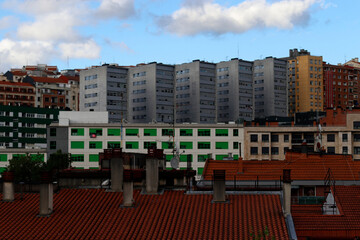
(174, 162)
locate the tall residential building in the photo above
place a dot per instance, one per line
(234, 90)
(305, 82)
(195, 92)
(340, 86)
(103, 88)
(151, 93)
(270, 87)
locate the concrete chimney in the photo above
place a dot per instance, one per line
(8, 187)
(219, 186)
(287, 191)
(117, 168)
(152, 170)
(46, 194)
(128, 193)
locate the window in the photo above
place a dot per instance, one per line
(132, 145)
(331, 150)
(132, 132)
(186, 145)
(53, 132)
(186, 132)
(203, 132)
(77, 132)
(286, 138)
(93, 158)
(95, 145)
(167, 132)
(77, 157)
(344, 137)
(274, 151)
(200, 170)
(356, 137)
(253, 138)
(113, 144)
(286, 149)
(356, 150)
(345, 150)
(167, 145)
(148, 145)
(235, 145)
(265, 150)
(221, 132)
(185, 158)
(331, 137)
(356, 125)
(203, 145)
(222, 145)
(265, 138)
(52, 144)
(113, 132)
(254, 151)
(236, 132)
(77, 145)
(202, 157)
(150, 132)
(274, 138)
(95, 132)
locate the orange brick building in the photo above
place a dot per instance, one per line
(17, 94)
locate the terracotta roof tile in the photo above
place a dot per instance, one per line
(96, 214)
(16, 84)
(303, 167)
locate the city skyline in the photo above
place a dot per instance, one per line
(84, 33)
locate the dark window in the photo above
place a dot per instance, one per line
(265, 138)
(309, 191)
(356, 137)
(167, 132)
(235, 145)
(331, 137)
(274, 151)
(149, 145)
(331, 150)
(53, 132)
(204, 132)
(253, 138)
(356, 150)
(52, 144)
(286, 138)
(203, 145)
(286, 149)
(265, 150)
(356, 125)
(344, 137)
(236, 132)
(254, 150)
(274, 138)
(345, 150)
(186, 132)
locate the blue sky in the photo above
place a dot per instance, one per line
(81, 33)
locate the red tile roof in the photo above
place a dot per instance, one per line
(343, 226)
(96, 214)
(49, 80)
(19, 73)
(303, 167)
(16, 84)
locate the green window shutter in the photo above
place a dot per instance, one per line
(77, 157)
(18, 155)
(149, 145)
(200, 170)
(222, 145)
(186, 145)
(221, 157)
(77, 145)
(204, 132)
(94, 158)
(236, 157)
(94, 168)
(2, 169)
(113, 132)
(202, 157)
(132, 145)
(167, 145)
(3, 157)
(150, 132)
(203, 145)
(183, 158)
(186, 132)
(95, 145)
(77, 132)
(167, 132)
(113, 144)
(37, 157)
(96, 131)
(132, 132)
(221, 132)
(235, 145)
(168, 157)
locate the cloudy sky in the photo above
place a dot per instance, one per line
(81, 33)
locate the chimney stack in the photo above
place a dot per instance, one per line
(8, 187)
(287, 191)
(46, 194)
(117, 168)
(152, 170)
(219, 186)
(128, 198)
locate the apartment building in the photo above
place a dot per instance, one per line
(195, 92)
(17, 94)
(103, 88)
(270, 87)
(234, 91)
(151, 93)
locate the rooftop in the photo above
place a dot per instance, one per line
(97, 214)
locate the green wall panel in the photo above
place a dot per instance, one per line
(77, 144)
(3, 157)
(150, 132)
(132, 145)
(113, 132)
(222, 145)
(94, 158)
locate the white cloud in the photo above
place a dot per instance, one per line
(88, 49)
(206, 16)
(7, 22)
(116, 8)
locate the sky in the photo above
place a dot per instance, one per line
(82, 33)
